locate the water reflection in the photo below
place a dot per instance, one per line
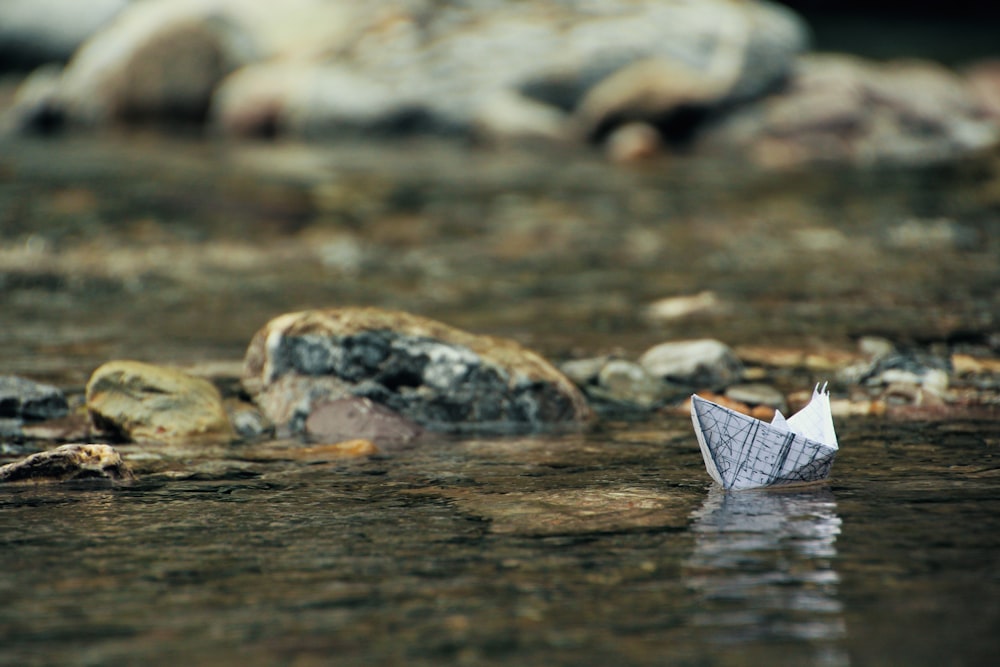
(762, 570)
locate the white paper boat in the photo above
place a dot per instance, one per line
(741, 452)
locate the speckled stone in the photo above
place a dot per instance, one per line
(438, 376)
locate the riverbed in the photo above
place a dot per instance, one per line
(607, 546)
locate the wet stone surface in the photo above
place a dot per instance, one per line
(437, 376)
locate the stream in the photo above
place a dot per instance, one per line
(608, 546)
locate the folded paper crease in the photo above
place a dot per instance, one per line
(741, 452)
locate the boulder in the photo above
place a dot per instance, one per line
(839, 108)
(24, 399)
(69, 462)
(440, 377)
(146, 403)
(698, 364)
(155, 62)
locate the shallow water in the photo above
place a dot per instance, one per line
(608, 548)
(603, 547)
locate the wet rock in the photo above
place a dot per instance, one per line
(909, 377)
(679, 307)
(578, 511)
(762, 412)
(10, 428)
(147, 403)
(909, 366)
(758, 394)
(633, 142)
(438, 376)
(819, 360)
(69, 462)
(321, 100)
(153, 63)
(627, 382)
(348, 449)
(840, 108)
(513, 70)
(984, 82)
(24, 399)
(584, 371)
(508, 117)
(702, 364)
(616, 385)
(353, 418)
(247, 420)
(34, 32)
(875, 347)
(35, 108)
(75, 426)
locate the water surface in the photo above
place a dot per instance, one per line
(595, 548)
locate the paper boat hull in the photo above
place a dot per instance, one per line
(741, 452)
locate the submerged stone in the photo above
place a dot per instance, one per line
(69, 462)
(360, 418)
(578, 511)
(147, 403)
(438, 376)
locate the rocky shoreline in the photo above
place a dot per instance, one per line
(357, 382)
(637, 78)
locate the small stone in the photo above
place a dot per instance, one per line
(720, 399)
(360, 418)
(247, 420)
(874, 347)
(21, 398)
(758, 394)
(584, 371)
(632, 143)
(626, 382)
(147, 403)
(347, 449)
(10, 428)
(678, 307)
(702, 364)
(69, 462)
(71, 427)
(908, 368)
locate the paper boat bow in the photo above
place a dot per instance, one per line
(741, 452)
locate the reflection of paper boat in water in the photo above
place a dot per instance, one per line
(741, 452)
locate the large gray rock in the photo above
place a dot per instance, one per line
(438, 376)
(69, 462)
